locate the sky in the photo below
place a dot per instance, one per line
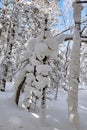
(1, 3)
(67, 15)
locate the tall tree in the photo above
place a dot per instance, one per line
(74, 68)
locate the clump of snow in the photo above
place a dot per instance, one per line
(29, 68)
(1, 26)
(60, 39)
(41, 83)
(52, 44)
(41, 50)
(31, 45)
(34, 61)
(29, 78)
(43, 69)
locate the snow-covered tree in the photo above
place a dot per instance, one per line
(41, 49)
(6, 27)
(20, 21)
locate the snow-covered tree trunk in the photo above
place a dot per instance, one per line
(5, 69)
(6, 61)
(74, 69)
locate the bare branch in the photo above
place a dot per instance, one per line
(70, 37)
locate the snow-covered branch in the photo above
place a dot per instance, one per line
(66, 37)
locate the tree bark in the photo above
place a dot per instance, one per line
(74, 70)
(19, 90)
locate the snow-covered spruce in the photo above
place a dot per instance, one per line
(36, 74)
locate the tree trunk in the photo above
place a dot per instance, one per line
(19, 90)
(7, 62)
(43, 106)
(74, 70)
(3, 81)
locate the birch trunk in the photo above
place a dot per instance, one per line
(74, 70)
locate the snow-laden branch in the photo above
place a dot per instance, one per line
(66, 37)
(84, 40)
(83, 36)
(64, 31)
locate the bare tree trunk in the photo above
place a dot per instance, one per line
(74, 70)
(19, 89)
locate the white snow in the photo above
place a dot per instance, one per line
(42, 82)
(43, 69)
(52, 43)
(60, 38)
(41, 50)
(13, 118)
(1, 26)
(29, 68)
(30, 78)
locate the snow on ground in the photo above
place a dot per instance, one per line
(13, 118)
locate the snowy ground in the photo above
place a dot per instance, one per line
(12, 118)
